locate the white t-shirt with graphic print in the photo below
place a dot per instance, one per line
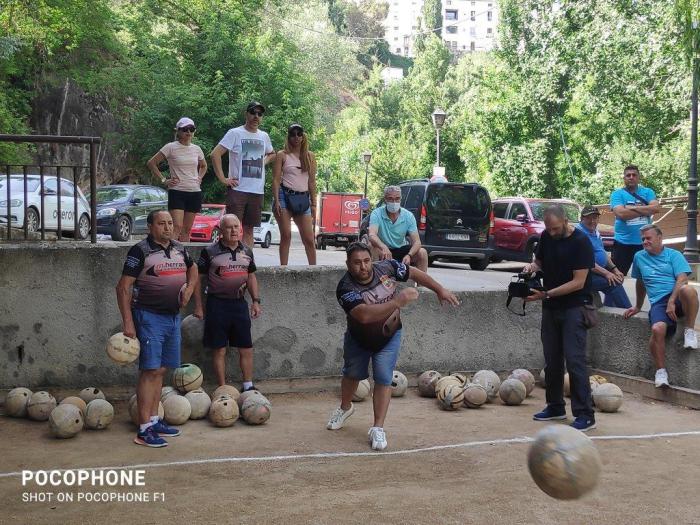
(247, 158)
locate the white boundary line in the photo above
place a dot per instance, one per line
(336, 455)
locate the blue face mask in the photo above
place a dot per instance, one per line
(393, 207)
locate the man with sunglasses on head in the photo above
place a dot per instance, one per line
(633, 206)
(249, 149)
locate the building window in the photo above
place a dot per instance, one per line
(450, 14)
(472, 16)
(472, 31)
(451, 29)
(489, 15)
(396, 28)
(489, 32)
(472, 46)
(398, 50)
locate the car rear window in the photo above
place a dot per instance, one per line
(572, 211)
(210, 212)
(111, 194)
(466, 200)
(17, 185)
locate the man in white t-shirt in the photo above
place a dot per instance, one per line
(249, 150)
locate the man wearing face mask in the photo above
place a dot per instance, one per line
(389, 227)
(565, 257)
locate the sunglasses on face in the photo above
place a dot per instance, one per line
(296, 133)
(257, 113)
(631, 174)
(190, 129)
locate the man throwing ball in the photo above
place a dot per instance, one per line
(368, 294)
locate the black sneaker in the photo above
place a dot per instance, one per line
(251, 387)
(549, 414)
(584, 423)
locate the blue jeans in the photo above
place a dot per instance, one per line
(615, 295)
(159, 335)
(357, 359)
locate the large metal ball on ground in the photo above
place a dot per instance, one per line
(427, 381)
(90, 393)
(450, 397)
(16, 402)
(226, 389)
(134, 410)
(489, 380)
(399, 384)
(224, 411)
(444, 381)
(167, 391)
(98, 414)
(460, 377)
(123, 350)
(40, 405)
(245, 395)
(187, 378)
(564, 462)
(256, 410)
(595, 380)
(65, 421)
(363, 389)
(475, 395)
(177, 409)
(608, 397)
(526, 377)
(512, 392)
(199, 403)
(192, 330)
(74, 400)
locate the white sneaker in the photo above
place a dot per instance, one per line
(339, 416)
(661, 378)
(377, 438)
(691, 339)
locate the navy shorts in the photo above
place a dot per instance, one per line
(657, 314)
(159, 336)
(227, 323)
(190, 201)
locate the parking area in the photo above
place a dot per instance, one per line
(467, 466)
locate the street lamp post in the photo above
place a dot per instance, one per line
(366, 158)
(438, 120)
(691, 236)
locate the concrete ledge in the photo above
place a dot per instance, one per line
(644, 387)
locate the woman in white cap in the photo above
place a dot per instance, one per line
(187, 168)
(294, 192)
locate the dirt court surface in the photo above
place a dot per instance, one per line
(473, 471)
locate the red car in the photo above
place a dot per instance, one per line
(206, 223)
(518, 225)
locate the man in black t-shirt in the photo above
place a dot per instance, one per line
(157, 280)
(369, 295)
(565, 256)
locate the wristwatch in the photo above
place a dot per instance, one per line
(256, 300)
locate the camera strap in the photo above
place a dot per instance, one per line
(510, 298)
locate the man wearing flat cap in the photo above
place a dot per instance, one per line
(249, 149)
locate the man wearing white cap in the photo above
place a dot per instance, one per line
(249, 149)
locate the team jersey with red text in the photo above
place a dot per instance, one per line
(227, 269)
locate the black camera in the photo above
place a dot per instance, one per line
(525, 284)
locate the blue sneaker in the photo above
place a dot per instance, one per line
(584, 423)
(549, 414)
(162, 428)
(150, 438)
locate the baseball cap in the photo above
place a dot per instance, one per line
(183, 122)
(295, 126)
(589, 210)
(255, 105)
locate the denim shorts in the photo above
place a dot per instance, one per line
(282, 199)
(657, 313)
(159, 335)
(357, 359)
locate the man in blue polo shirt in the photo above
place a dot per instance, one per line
(389, 225)
(633, 206)
(605, 277)
(663, 274)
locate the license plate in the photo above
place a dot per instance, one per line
(457, 237)
(342, 238)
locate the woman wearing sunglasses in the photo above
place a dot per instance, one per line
(187, 168)
(294, 192)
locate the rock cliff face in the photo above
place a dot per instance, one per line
(65, 109)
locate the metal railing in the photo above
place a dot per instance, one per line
(31, 211)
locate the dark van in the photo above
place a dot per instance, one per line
(455, 220)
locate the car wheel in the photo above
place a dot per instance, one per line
(32, 220)
(268, 240)
(431, 261)
(122, 229)
(215, 235)
(479, 265)
(83, 227)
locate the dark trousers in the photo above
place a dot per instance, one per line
(564, 339)
(623, 255)
(615, 295)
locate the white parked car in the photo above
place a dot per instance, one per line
(32, 215)
(268, 232)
